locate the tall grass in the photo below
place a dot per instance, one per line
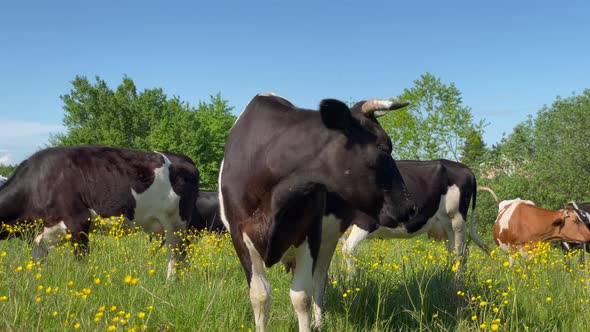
(399, 285)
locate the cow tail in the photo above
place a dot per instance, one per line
(474, 236)
(488, 189)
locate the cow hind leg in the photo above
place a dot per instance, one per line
(455, 228)
(48, 238)
(176, 248)
(302, 286)
(459, 233)
(260, 291)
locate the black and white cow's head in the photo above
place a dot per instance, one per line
(359, 163)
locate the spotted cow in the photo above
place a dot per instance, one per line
(521, 224)
(67, 186)
(280, 162)
(442, 190)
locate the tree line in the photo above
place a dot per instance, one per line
(544, 159)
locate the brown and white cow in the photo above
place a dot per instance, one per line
(66, 186)
(520, 224)
(280, 162)
(583, 212)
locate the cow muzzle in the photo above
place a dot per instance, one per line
(397, 211)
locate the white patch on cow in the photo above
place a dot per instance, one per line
(451, 200)
(330, 235)
(93, 214)
(503, 246)
(447, 219)
(302, 286)
(260, 291)
(48, 238)
(157, 209)
(506, 209)
(221, 205)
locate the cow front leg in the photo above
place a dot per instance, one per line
(330, 235)
(357, 235)
(176, 248)
(302, 285)
(49, 237)
(260, 292)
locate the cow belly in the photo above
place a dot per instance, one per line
(402, 232)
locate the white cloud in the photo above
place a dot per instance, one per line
(5, 159)
(18, 129)
(20, 139)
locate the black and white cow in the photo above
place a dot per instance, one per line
(280, 161)
(206, 215)
(67, 186)
(442, 190)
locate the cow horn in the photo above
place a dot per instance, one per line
(380, 107)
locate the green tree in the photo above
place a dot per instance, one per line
(149, 120)
(545, 158)
(474, 150)
(561, 165)
(436, 124)
(6, 170)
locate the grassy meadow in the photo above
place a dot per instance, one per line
(401, 285)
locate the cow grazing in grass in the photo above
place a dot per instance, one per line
(67, 186)
(442, 190)
(280, 162)
(520, 224)
(206, 215)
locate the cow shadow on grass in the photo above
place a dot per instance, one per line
(423, 299)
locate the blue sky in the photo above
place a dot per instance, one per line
(508, 58)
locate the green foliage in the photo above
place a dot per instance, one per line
(474, 150)
(149, 120)
(545, 158)
(6, 170)
(436, 124)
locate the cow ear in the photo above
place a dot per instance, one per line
(559, 223)
(335, 114)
